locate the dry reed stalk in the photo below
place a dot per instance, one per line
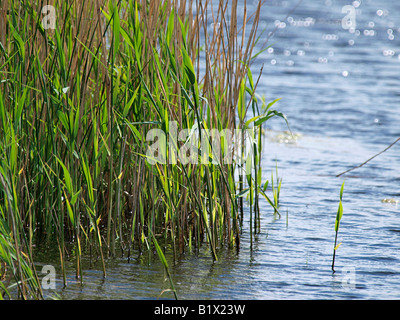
(3, 26)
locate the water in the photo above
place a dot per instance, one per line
(341, 91)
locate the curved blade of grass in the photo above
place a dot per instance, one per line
(164, 262)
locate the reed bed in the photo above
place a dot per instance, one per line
(78, 97)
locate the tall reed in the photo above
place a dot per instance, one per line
(77, 103)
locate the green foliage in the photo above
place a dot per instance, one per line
(337, 223)
(76, 105)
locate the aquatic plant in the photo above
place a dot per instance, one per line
(337, 223)
(81, 87)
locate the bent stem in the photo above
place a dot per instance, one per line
(165, 263)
